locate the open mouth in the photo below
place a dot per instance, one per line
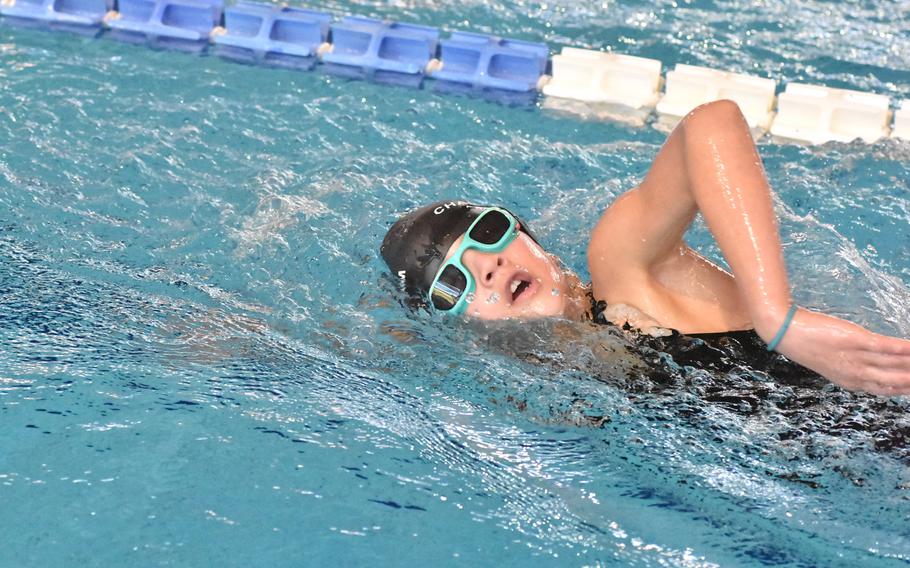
(518, 287)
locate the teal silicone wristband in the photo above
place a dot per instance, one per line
(783, 328)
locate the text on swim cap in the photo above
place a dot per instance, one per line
(444, 207)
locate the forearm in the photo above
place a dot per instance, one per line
(728, 184)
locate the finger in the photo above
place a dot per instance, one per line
(884, 344)
(884, 382)
(884, 361)
(857, 375)
(886, 391)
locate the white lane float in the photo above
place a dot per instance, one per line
(688, 86)
(816, 114)
(600, 77)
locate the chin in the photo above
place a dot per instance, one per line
(546, 310)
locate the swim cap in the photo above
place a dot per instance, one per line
(416, 245)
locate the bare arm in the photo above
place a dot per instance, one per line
(710, 164)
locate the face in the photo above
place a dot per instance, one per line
(521, 281)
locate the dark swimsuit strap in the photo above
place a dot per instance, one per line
(598, 307)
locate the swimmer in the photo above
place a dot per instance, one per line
(484, 262)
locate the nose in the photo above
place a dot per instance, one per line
(483, 266)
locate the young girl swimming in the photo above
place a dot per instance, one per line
(484, 261)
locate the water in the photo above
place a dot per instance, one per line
(200, 363)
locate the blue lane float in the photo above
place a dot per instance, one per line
(258, 32)
(181, 24)
(84, 16)
(481, 62)
(389, 52)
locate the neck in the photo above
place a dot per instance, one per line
(578, 303)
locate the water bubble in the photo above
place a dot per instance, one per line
(554, 291)
(494, 297)
(469, 298)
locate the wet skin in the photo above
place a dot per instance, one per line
(521, 281)
(637, 257)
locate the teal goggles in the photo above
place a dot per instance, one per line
(453, 288)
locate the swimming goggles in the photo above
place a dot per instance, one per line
(453, 288)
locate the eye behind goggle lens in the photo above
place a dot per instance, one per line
(449, 288)
(491, 228)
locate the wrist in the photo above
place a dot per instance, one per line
(782, 331)
(769, 322)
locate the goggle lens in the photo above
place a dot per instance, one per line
(449, 288)
(490, 228)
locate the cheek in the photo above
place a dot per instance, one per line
(546, 270)
(539, 259)
(489, 299)
(485, 311)
(488, 305)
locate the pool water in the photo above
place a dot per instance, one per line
(200, 363)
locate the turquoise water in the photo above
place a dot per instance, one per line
(200, 364)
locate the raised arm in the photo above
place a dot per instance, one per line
(710, 164)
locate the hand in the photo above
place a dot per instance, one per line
(621, 314)
(847, 354)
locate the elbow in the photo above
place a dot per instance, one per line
(717, 116)
(722, 108)
(712, 119)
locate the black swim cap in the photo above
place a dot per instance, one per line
(416, 245)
